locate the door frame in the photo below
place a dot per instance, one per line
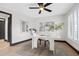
(9, 26)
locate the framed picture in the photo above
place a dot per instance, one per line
(42, 27)
(45, 26)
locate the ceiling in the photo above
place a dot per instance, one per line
(57, 8)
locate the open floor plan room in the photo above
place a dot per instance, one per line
(39, 29)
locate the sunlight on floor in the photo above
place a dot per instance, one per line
(3, 44)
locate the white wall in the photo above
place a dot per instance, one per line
(57, 19)
(17, 34)
(75, 44)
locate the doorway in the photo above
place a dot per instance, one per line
(3, 43)
(6, 32)
(2, 28)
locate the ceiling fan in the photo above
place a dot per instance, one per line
(42, 7)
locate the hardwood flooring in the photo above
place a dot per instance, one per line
(3, 44)
(25, 49)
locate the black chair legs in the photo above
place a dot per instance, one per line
(45, 41)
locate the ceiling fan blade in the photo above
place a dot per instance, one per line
(33, 7)
(39, 11)
(40, 4)
(47, 4)
(47, 10)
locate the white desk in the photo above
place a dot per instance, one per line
(47, 37)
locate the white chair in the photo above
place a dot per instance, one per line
(34, 39)
(44, 37)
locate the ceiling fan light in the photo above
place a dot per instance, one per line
(41, 9)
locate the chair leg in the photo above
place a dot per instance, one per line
(48, 44)
(45, 44)
(51, 53)
(40, 42)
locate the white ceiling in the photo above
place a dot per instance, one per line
(57, 8)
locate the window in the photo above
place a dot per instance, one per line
(73, 25)
(78, 24)
(24, 26)
(70, 26)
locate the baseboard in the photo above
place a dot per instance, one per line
(59, 40)
(55, 41)
(67, 44)
(19, 42)
(72, 47)
(6, 40)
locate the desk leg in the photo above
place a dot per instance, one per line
(51, 53)
(45, 44)
(51, 46)
(40, 41)
(34, 42)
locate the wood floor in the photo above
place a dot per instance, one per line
(3, 44)
(25, 49)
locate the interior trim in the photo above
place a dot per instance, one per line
(68, 44)
(59, 40)
(12, 44)
(5, 12)
(54, 40)
(10, 18)
(72, 47)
